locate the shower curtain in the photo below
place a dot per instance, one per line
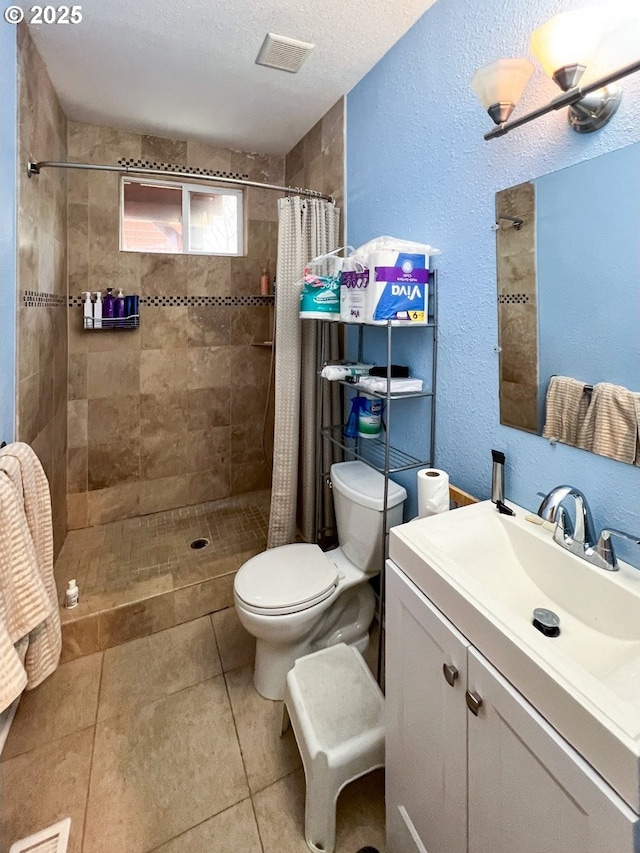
(306, 229)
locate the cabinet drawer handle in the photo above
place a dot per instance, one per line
(450, 673)
(474, 702)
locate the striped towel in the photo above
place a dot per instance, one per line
(28, 599)
(567, 405)
(611, 426)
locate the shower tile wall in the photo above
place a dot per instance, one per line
(317, 161)
(169, 414)
(42, 278)
(517, 308)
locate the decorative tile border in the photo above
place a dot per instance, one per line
(513, 297)
(230, 301)
(34, 299)
(174, 301)
(187, 171)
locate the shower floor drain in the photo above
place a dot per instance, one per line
(197, 544)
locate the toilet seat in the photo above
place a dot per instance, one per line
(285, 580)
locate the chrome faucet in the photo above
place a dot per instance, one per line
(580, 538)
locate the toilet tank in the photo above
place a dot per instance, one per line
(358, 497)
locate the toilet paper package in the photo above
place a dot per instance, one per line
(433, 491)
(398, 288)
(354, 284)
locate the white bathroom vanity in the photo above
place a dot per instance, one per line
(501, 739)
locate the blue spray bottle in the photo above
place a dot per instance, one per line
(351, 427)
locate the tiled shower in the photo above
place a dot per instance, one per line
(157, 436)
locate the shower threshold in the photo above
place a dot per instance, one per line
(143, 574)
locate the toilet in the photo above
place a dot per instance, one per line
(297, 599)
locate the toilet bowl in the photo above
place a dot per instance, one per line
(297, 599)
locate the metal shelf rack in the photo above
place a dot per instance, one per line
(378, 452)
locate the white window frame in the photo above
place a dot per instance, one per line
(186, 231)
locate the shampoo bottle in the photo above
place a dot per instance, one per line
(109, 305)
(97, 310)
(88, 310)
(264, 283)
(119, 308)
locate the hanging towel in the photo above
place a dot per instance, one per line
(567, 405)
(612, 423)
(28, 598)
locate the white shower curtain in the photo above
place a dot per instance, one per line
(307, 228)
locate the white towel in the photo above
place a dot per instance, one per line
(28, 598)
(611, 426)
(397, 386)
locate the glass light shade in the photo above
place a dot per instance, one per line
(501, 83)
(568, 40)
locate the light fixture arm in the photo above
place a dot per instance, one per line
(566, 99)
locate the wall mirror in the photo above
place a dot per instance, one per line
(568, 269)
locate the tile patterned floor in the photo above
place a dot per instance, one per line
(162, 744)
(136, 558)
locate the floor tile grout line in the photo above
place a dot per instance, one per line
(140, 705)
(209, 616)
(255, 817)
(196, 825)
(244, 766)
(93, 748)
(46, 743)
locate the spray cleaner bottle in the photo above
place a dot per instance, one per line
(351, 427)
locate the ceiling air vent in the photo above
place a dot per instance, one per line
(283, 53)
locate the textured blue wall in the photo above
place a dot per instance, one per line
(8, 184)
(418, 167)
(588, 270)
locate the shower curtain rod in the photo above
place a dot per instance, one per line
(33, 168)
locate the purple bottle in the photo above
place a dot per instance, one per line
(108, 308)
(119, 309)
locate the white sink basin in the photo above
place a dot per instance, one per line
(488, 572)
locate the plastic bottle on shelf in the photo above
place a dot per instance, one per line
(369, 417)
(351, 427)
(109, 307)
(264, 283)
(97, 310)
(88, 310)
(119, 308)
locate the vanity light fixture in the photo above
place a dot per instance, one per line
(564, 46)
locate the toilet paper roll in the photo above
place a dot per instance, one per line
(433, 491)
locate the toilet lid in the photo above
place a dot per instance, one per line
(286, 577)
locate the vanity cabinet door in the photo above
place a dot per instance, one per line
(426, 741)
(529, 791)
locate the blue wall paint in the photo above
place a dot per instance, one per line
(8, 189)
(588, 270)
(418, 167)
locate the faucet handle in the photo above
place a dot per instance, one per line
(564, 531)
(605, 550)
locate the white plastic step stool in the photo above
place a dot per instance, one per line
(337, 713)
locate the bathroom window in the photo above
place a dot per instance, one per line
(180, 218)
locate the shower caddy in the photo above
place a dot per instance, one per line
(378, 452)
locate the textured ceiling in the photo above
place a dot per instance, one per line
(187, 70)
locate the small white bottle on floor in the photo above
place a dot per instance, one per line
(72, 594)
